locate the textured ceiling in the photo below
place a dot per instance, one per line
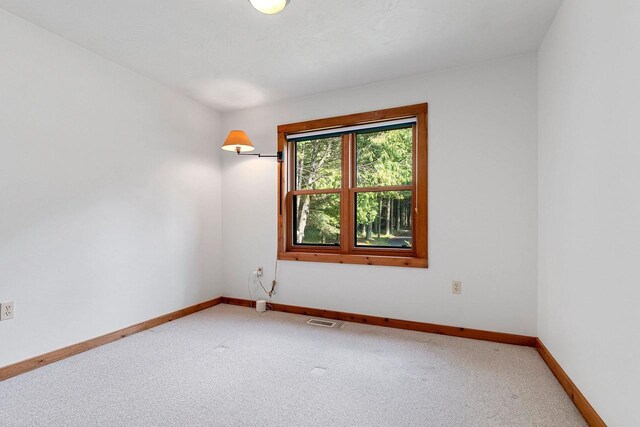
(229, 55)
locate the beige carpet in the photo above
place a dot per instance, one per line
(231, 366)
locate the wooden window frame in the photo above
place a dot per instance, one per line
(348, 252)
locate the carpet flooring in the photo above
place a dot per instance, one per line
(230, 366)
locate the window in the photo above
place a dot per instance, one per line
(353, 189)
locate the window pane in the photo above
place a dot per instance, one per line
(318, 163)
(316, 219)
(384, 158)
(383, 219)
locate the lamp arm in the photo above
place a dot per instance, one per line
(279, 155)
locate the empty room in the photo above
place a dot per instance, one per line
(319, 213)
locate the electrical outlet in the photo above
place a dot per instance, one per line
(259, 272)
(456, 287)
(6, 310)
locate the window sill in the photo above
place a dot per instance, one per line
(394, 261)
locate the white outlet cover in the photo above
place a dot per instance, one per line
(6, 310)
(456, 287)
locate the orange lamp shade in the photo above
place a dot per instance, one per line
(237, 141)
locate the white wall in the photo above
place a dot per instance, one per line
(589, 293)
(109, 195)
(482, 203)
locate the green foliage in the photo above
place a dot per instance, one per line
(383, 158)
(323, 219)
(318, 166)
(318, 163)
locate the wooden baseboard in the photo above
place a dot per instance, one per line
(590, 415)
(477, 334)
(38, 361)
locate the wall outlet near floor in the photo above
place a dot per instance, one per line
(456, 287)
(259, 272)
(6, 310)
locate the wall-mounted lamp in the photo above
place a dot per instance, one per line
(239, 142)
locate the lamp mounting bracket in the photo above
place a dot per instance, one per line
(279, 155)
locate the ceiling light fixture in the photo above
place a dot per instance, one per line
(270, 7)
